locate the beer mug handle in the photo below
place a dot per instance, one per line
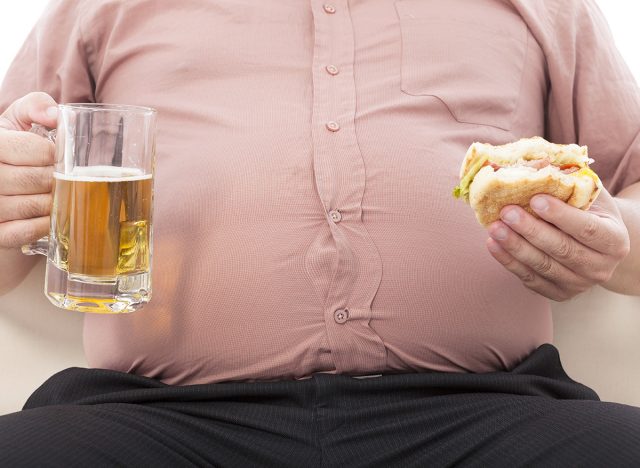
(41, 246)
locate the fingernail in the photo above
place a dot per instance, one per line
(499, 233)
(539, 204)
(511, 216)
(52, 112)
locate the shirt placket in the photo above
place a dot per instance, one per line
(340, 180)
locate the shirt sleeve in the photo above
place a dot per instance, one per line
(594, 99)
(53, 59)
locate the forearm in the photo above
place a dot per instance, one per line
(626, 278)
(14, 267)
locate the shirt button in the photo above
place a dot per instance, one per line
(341, 315)
(332, 70)
(335, 216)
(333, 126)
(329, 8)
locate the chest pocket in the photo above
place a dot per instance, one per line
(468, 53)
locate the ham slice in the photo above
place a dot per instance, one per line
(537, 163)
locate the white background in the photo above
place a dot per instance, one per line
(17, 19)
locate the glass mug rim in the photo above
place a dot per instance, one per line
(107, 107)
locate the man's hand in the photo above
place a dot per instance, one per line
(565, 252)
(26, 171)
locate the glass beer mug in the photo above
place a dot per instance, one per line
(100, 239)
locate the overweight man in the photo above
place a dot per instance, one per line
(320, 299)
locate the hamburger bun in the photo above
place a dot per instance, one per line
(492, 177)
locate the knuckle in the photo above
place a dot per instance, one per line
(582, 284)
(590, 229)
(32, 100)
(510, 264)
(530, 230)
(565, 248)
(41, 97)
(36, 95)
(623, 250)
(544, 265)
(601, 275)
(528, 277)
(512, 243)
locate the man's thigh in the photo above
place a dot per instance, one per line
(485, 430)
(117, 434)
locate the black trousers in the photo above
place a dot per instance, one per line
(532, 416)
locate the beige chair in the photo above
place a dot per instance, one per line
(36, 340)
(598, 335)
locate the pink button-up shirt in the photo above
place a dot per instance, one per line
(307, 151)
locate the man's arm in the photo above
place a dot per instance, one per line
(593, 100)
(626, 277)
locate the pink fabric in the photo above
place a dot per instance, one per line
(259, 142)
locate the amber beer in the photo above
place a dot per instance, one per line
(101, 222)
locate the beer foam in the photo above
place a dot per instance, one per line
(103, 174)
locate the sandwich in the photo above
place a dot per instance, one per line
(492, 177)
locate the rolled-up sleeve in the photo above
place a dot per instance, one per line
(594, 99)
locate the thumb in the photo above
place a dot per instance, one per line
(37, 108)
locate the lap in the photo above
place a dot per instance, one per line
(488, 430)
(128, 421)
(77, 435)
(462, 430)
(532, 416)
